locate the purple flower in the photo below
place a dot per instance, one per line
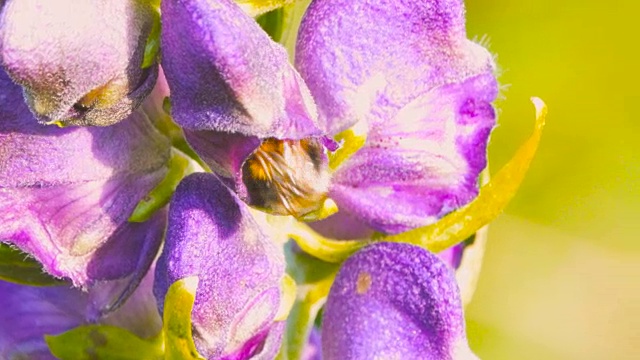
(242, 105)
(34, 312)
(426, 108)
(66, 194)
(211, 234)
(394, 301)
(405, 71)
(82, 69)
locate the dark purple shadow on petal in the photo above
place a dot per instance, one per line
(453, 255)
(342, 226)
(212, 235)
(128, 259)
(393, 301)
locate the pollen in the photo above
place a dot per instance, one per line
(363, 283)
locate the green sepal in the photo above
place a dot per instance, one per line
(178, 337)
(152, 47)
(18, 267)
(104, 342)
(456, 226)
(259, 7)
(179, 166)
(315, 278)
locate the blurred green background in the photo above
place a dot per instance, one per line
(561, 273)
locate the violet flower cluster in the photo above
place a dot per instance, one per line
(148, 144)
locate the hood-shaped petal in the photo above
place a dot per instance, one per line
(79, 61)
(365, 59)
(394, 301)
(424, 162)
(226, 74)
(34, 312)
(212, 235)
(66, 194)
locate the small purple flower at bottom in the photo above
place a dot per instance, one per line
(394, 301)
(211, 234)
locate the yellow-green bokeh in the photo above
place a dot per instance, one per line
(562, 269)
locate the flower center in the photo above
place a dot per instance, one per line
(287, 177)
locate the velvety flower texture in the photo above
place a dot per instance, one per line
(402, 71)
(34, 312)
(66, 194)
(405, 71)
(80, 62)
(426, 108)
(232, 87)
(394, 301)
(211, 234)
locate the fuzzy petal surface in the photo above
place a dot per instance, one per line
(363, 60)
(424, 162)
(212, 235)
(66, 194)
(393, 301)
(227, 75)
(79, 61)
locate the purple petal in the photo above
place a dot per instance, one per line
(34, 312)
(212, 235)
(37, 311)
(282, 177)
(393, 301)
(313, 349)
(453, 255)
(226, 74)
(423, 163)
(66, 194)
(225, 153)
(81, 69)
(365, 59)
